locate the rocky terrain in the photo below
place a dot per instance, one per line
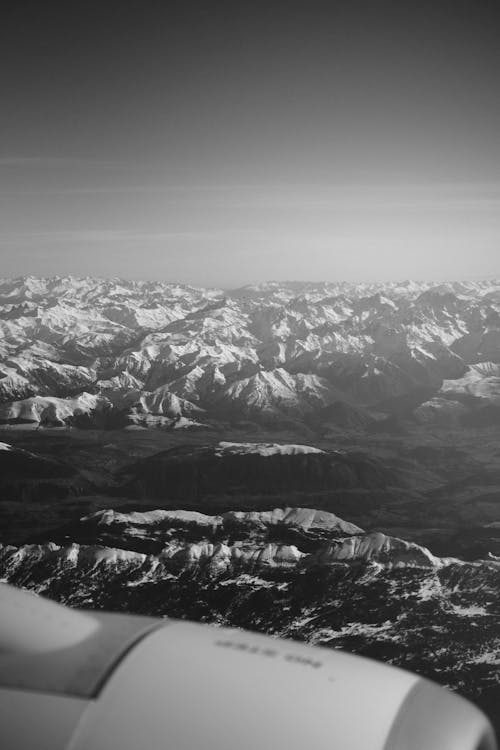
(294, 572)
(318, 461)
(111, 353)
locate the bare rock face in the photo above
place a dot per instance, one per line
(390, 341)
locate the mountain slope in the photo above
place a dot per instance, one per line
(276, 351)
(296, 572)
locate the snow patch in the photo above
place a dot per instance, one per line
(488, 657)
(470, 611)
(264, 449)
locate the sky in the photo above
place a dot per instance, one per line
(221, 144)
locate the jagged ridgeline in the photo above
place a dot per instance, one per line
(294, 572)
(114, 353)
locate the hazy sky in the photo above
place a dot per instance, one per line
(224, 143)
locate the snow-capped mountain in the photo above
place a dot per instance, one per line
(294, 572)
(94, 352)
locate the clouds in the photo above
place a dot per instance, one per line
(49, 162)
(223, 145)
(71, 237)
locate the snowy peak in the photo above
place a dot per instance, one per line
(236, 543)
(249, 523)
(376, 547)
(152, 353)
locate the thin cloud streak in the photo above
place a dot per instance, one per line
(110, 235)
(463, 196)
(80, 164)
(53, 162)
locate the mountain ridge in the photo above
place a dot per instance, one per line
(293, 572)
(275, 351)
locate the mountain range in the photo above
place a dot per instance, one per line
(313, 460)
(114, 353)
(293, 572)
